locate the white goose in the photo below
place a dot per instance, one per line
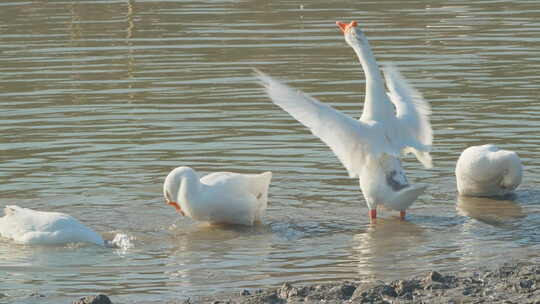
(218, 198)
(31, 227)
(487, 171)
(369, 148)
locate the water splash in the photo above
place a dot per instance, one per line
(122, 242)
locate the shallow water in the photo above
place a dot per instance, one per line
(101, 99)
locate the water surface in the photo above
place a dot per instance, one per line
(101, 99)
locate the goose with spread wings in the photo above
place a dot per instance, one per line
(391, 123)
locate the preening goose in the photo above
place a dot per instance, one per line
(488, 171)
(218, 198)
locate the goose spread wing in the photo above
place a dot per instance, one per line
(352, 141)
(412, 113)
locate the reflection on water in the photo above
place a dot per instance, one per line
(489, 210)
(101, 99)
(221, 254)
(498, 225)
(388, 245)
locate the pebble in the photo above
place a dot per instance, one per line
(245, 292)
(99, 299)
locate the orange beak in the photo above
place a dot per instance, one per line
(177, 207)
(346, 26)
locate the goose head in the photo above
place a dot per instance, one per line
(173, 186)
(353, 35)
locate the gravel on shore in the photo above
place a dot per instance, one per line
(510, 283)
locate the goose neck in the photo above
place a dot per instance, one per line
(189, 187)
(374, 81)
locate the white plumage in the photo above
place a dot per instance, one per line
(219, 198)
(412, 112)
(27, 226)
(369, 148)
(488, 171)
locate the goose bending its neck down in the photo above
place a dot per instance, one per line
(487, 171)
(218, 198)
(369, 148)
(32, 227)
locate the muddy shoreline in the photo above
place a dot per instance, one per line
(510, 283)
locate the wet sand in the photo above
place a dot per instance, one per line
(510, 283)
